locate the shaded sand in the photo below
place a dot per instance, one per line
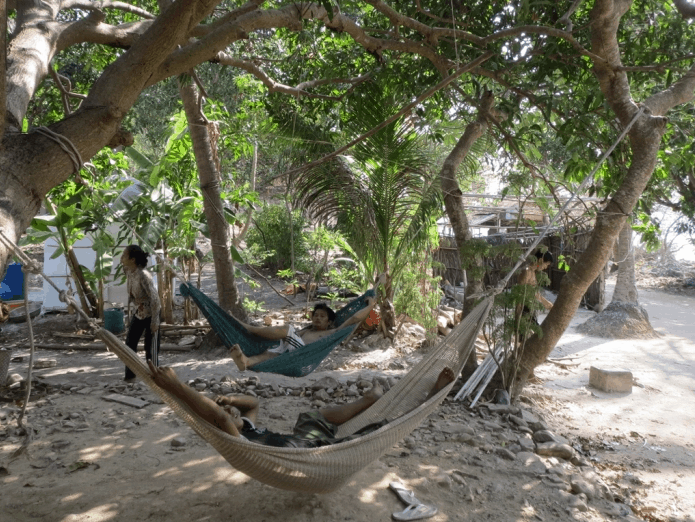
(96, 460)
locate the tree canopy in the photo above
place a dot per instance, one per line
(572, 74)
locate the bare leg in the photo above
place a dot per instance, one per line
(268, 332)
(243, 362)
(446, 376)
(339, 414)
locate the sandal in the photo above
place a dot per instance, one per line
(403, 493)
(415, 512)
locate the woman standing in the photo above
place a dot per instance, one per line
(142, 292)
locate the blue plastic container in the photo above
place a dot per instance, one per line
(114, 320)
(12, 286)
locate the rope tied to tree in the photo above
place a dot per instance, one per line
(522, 258)
(68, 147)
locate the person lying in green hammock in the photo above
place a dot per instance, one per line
(322, 318)
(237, 414)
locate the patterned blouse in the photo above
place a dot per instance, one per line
(142, 292)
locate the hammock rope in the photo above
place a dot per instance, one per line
(297, 363)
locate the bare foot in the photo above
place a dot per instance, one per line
(446, 376)
(239, 358)
(375, 392)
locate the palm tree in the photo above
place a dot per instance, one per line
(380, 195)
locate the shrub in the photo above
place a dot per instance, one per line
(270, 233)
(418, 295)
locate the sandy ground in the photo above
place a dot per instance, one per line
(96, 460)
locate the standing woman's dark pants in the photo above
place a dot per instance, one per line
(137, 327)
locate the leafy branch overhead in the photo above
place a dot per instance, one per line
(566, 77)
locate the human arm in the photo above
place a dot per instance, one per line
(360, 315)
(165, 377)
(130, 298)
(547, 304)
(153, 298)
(278, 332)
(247, 405)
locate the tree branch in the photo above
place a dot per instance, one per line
(102, 5)
(565, 18)
(289, 17)
(134, 68)
(680, 92)
(273, 86)
(685, 8)
(429, 92)
(435, 17)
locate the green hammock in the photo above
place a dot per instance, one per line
(297, 363)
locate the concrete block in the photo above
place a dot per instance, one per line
(610, 380)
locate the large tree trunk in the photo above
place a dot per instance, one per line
(645, 140)
(470, 256)
(624, 318)
(32, 164)
(208, 170)
(625, 285)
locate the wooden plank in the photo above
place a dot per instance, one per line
(128, 401)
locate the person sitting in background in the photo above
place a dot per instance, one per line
(528, 276)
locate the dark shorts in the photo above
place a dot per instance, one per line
(312, 427)
(311, 430)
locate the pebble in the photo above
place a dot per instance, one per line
(322, 395)
(518, 421)
(14, 378)
(544, 436)
(529, 417)
(526, 443)
(178, 442)
(60, 444)
(554, 449)
(572, 501)
(532, 462)
(505, 453)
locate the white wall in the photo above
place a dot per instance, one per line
(59, 273)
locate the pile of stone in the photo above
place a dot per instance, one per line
(511, 438)
(655, 271)
(326, 390)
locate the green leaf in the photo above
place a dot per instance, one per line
(58, 252)
(236, 255)
(140, 159)
(43, 222)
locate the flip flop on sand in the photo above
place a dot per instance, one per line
(415, 512)
(404, 494)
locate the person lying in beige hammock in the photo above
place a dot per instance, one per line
(237, 414)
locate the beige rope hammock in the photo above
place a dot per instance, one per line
(325, 469)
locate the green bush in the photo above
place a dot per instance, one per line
(418, 295)
(270, 234)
